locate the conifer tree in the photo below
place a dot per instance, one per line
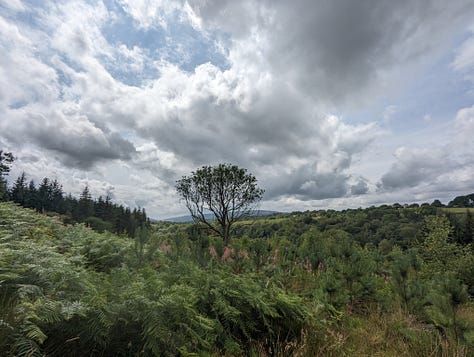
(44, 196)
(19, 190)
(31, 195)
(57, 202)
(85, 205)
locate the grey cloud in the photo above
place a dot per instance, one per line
(279, 132)
(85, 152)
(322, 186)
(360, 188)
(339, 51)
(206, 131)
(279, 124)
(416, 166)
(160, 164)
(305, 183)
(76, 141)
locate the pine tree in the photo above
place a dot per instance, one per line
(57, 199)
(99, 207)
(31, 195)
(19, 190)
(44, 197)
(85, 205)
(108, 209)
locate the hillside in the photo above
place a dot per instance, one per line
(380, 281)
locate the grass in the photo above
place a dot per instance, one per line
(385, 334)
(458, 210)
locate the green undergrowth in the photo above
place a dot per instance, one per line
(176, 291)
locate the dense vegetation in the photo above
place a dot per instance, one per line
(101, 214)
(387, 280)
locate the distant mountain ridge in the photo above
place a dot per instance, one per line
(210, 216)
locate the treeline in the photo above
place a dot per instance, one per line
(101, 214)
(384, 227)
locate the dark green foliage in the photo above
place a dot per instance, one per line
(447, 294)
(462, 225)
(98, 224)
(101, 214)
(85, 206)
(19, 191)
(401, 226)
(406, 282)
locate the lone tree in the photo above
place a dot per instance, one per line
(229, 192)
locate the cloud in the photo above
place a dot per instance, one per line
(158, 109)
(74, 29)
(77, 141)
(464, 60)
(438, 170)
(464, 126)
(360, 188)
(150, 13)
(203, 118)
(337, 52)
(414, 166)
(23, 77)
(12, 5)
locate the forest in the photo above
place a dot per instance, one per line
(392, 280)
(100, 214)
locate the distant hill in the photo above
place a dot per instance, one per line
(210, 216)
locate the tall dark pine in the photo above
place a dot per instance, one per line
(108, 209)
(57, 199)
(31, 195)
(44, 196)
(85, 206)
(99, 207)
(19, 190)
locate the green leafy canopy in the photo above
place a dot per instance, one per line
(225, 190)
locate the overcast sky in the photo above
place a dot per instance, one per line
(331, 104)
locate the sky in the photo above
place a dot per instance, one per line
(330, 104)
